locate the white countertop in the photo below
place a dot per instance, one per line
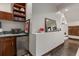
(6, 35)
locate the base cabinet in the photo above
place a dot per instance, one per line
(8, 46)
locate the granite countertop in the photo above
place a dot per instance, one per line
(8, 35)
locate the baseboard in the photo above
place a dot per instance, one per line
(73, 39)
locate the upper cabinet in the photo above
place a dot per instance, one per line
(19, 12)
(5, 15)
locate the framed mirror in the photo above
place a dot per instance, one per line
(50, 25)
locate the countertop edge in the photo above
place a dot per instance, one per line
(9, 35)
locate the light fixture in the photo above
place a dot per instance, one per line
(58, 12)
(66, 10)
(47, 20)
(62, 15)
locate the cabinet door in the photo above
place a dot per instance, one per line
(8, 46)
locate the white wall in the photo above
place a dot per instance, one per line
(7, 7)
(28, 10)
(40, 11)
(73, 23)
(63, 19)
(8, 25)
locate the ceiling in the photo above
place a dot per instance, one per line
(73, 11)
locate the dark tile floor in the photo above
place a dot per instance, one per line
(69, 48)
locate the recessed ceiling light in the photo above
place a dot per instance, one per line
(62, 15)
(47, 20)
(58, 12)
(66, 9)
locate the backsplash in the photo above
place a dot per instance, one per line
(8, 25)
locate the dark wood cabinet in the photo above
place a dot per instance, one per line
(73, 30)
(5, 15)
(8, 46)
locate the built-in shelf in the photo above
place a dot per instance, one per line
(19, 12)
